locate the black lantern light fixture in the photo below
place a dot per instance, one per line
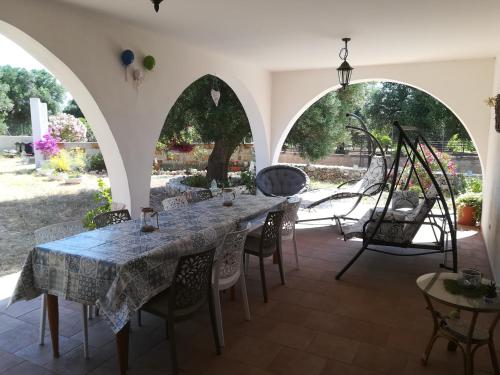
(156, 4)
(344, 70)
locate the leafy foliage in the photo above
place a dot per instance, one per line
(73, 109)
(96, 163)
(321, 128)
(103, 199)
(471, 199)
(67, 128)
(458, 144)
(248, 179)
(197, 180)
(19, 85)
(195, 115)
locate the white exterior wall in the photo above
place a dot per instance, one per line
(490, 222)
(83, 49)
(462, 86)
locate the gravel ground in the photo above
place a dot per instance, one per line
(28, 202)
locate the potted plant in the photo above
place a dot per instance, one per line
(234, 166)
(74, 178)
(469, 207)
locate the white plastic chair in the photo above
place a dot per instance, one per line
(288, 226)
(174, 202)
(53, 233)
(227, 271)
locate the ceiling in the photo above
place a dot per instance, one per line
(302, 34)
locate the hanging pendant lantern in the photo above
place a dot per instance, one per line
(215, 96)
(345, 69)
(156, 4)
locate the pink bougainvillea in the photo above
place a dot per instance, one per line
(67, 128)
(47, 145)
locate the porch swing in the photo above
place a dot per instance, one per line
(405, 211)
(370, 184)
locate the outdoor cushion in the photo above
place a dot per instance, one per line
(282, 180)
(405, 199)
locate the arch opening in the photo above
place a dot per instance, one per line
(52, 195)
(466, 132)
(208, 128)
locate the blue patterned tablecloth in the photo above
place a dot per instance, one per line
(119, 268)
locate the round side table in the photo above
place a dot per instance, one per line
(468, 336)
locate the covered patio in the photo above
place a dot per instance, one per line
(374, 321)
(278, 58)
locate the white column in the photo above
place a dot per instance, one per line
(39, 125)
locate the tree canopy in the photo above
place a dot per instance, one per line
(321, 128)
(195, 114)
(18, 85)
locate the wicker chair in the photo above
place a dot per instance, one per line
(282, 180)
(53, 233)
(174, 202)
(191, 288)
(198, 195)
(266, 242)
(111, 217)
(289, 220)
(228, 271)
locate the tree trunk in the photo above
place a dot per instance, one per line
(218, 160)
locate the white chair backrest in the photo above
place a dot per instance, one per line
(230, 257)
(174, 202)
(374, 175)
(290, 217)
(58, 231)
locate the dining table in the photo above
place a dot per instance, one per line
(119, 268)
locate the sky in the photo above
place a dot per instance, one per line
(12, 54)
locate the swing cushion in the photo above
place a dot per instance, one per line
(404, 199)
(388, 231)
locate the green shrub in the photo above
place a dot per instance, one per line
(96, 163)
(103, 199)
(473, 185)
(456, 144)
(248, 179)
(197, 180)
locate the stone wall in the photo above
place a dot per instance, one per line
(198, 158)
(466, 163)
(335, 174)
(8, 142)
(90, 148)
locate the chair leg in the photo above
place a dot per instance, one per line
(213, 319)
(90, 312)
(247, 262)
(280, 263)
(96, 311)
(139, 318)
(295, 248)
(263, 277)
(218, 313)
(244, 295)
(43, 318)
(85, 309)
(172, 346)
(428, 349)
(351, 262)
(493, 355)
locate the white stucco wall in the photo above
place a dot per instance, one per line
(461, 85)
(490, 222)
(83, 49)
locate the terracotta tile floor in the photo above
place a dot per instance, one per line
(373, 321)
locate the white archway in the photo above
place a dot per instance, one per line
(107, 144)
(293, 120)
(255, 119)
